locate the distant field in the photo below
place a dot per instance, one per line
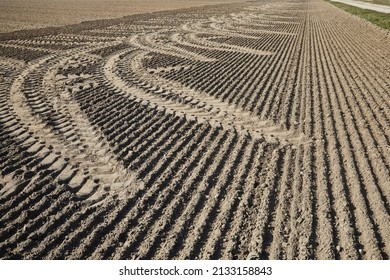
(380, 2)
(21, 14)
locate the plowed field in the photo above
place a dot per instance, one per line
(245, 131)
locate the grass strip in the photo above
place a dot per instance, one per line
(380, 19)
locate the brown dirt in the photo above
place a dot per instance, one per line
(245, 131)
(27, 14)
